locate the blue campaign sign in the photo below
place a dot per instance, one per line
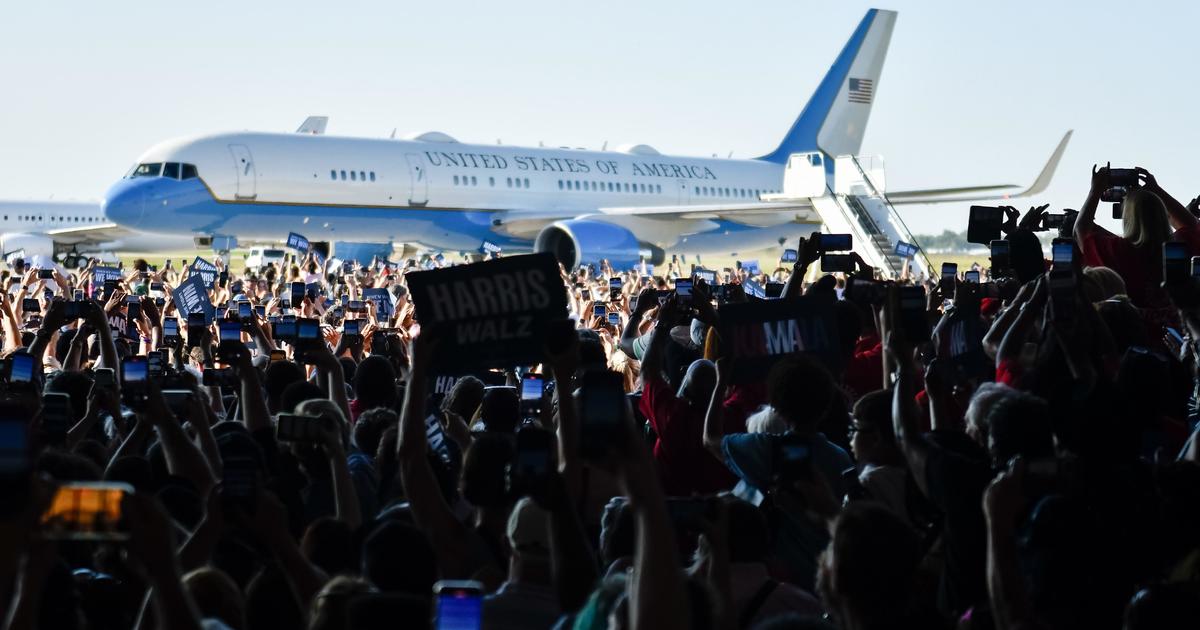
(754, 289)
(207, 271)
(297, 242)
(192, 297)
(489, 247)
(382, 300)
(906, 250)
(100, 274)
(751, 266)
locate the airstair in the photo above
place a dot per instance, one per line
(855, 204)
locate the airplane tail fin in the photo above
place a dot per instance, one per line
(314, 125)
(835, 118)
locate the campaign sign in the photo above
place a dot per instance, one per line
(297, 242)
(906, 250)
(761, 332)
(489, 247)
(383, 302)
(754, 289)
(100, 274)
(493, 313)
(207, 271)
(751, 266)
(192, 297)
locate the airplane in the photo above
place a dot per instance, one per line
(42, 228)
(430, 189)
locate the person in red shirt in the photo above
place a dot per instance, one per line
(684, 465)
(1148, 216)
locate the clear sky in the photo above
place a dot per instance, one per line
(972, 93)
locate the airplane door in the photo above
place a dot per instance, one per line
(247, 176)
(684, 194)
(418, 193)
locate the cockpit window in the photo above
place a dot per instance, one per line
(171, 169)
(189, 171)
(152, 169)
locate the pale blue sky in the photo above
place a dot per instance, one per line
(972, 93)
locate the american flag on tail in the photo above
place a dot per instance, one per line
(861, 90)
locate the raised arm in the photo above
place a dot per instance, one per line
(714, 419)
(1085, 223)
(808, 251)
(1176, 212)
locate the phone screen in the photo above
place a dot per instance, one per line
(531, 388)
(196, 320)
(134, 370)
(683, 287)
(534, 452)
(614, 319)
(14, 446)
(297, 293)
(599, 310)
(1062, 254)
(614, 285)
(245, 310)
(459, 609)
(285, 330)
(21, 368)
(307, 328)
(351, 326)
(789, 256)
(949, 271)
(231, 331)
(971, 276)
(170, 327)
(86, 511)
(835, 242)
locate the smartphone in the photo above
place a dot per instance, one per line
(683, 290)
(1062, 294)
(773, 290)
(295, 428)
(971, 276)
(45, 274)
(355, 306)
(297, 293)
(842, 263)
(707, 275)
(230, 330)
(1196, 266)
(308, 329)
(133, 308)
(56, 416)
(789, 256)
(278, 355)
(352, 327)
(1062, 253)
(532, 387)
(218, 377)
(614, 289)
(983, 224)
(459, 605)
(196, 326)
(949, 275)
(913, 319)
(284, 330)
(222, 279)
(154, 363)
(614, 319)
(602, 413)
(31, 305)
(834, 242)
(134, 373)
(110, 287)
(534, 460)
(585, 294)
(1000, 254)
(104, 377)
(179, 401)
(20, 368)
(170, 328)
(245, 310)
(1053, 221)
(599, 310)
(239, 482)
(156, 286)
(1175, 262)
(86, 511)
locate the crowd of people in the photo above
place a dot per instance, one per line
(1019, 452)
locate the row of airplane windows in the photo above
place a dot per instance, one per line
(744, 193)
(25, 217)
(575, 184)
(471, 180)
(355, 176)
(174, 170)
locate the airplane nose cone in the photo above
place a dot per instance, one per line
(125, 203)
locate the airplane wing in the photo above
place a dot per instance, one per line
(90, 234)
(981, 193)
